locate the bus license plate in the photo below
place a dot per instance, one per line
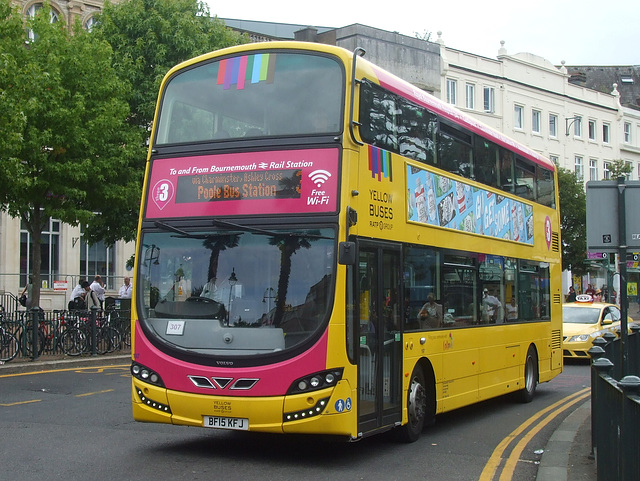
(220, 422)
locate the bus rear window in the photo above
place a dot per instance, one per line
(255, 95)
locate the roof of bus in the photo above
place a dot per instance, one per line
(395, 84)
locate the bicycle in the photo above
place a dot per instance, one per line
(9, 346)
(121, 321)
(77, 337)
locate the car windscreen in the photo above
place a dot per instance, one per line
(580, 315)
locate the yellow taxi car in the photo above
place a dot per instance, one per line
(585, 320)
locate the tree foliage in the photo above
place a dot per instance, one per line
(151, 36)
(66, 148)
(573, 216)
(148, 37)
(619, 168)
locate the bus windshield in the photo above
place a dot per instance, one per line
(253, 95)
(236, 292)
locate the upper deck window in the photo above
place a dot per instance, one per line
(394, 123)
(255, 95)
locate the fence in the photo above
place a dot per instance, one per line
(63, 333)
(615, 408)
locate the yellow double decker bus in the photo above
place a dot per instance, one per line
(324, 248)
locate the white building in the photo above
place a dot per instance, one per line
(532, 101)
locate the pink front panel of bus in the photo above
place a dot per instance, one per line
(274, 379)
(250, 183)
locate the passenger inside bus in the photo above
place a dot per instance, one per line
(431, 313)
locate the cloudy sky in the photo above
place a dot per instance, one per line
(585, 32)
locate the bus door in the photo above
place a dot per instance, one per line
(380, 337)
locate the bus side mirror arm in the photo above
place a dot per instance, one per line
(347, 249)
(347, 253)
(358, 52)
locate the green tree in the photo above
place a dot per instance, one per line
(66, 148)
(573, 217)
(619, 168)
(148, 37)
(151, 36)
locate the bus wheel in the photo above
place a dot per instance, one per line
(530, 376)
(416, 408)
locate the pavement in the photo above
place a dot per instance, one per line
(568, 454)
(566, 457)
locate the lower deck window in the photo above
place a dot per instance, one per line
(450, 289)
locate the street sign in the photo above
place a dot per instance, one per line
(602, 215)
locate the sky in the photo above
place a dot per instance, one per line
(584, 32)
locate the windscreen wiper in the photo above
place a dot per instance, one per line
(163, 226)
(257, 230)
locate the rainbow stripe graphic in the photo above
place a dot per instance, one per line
(240, 71)
(380, 163)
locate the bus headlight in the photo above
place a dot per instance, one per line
(316, 381)
(145, 374)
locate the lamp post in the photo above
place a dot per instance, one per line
(233, 280)
(269, 293)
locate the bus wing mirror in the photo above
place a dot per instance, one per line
(347, 253)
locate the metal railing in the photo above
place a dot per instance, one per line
(61, 333)
(615, 407)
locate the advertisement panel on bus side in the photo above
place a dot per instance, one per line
(438, 200)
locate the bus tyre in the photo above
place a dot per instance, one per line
(530, 376)
(416, 408)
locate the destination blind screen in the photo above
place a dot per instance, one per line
(270, 184)
(291, 181)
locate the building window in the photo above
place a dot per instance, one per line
(90, 22)
(518, 122)
(535, 121)
(471, 94)
(606, 174)
(578, 167)
(49, 251)
(592, 130)
(605, 133)
(97, 259)
(489, 100)
(629, 167)
(555, 159)
(577, 127)
(627, 132)
(593, 169)
(553, 125)
(32, 11)
(452, 87)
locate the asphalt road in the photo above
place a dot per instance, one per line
(77, 424)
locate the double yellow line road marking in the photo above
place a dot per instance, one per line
(530, 428)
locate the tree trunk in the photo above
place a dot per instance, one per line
(34, 226)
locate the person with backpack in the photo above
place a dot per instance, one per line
(77, 300)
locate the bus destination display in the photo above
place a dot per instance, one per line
(292, 181)
(270, 184)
